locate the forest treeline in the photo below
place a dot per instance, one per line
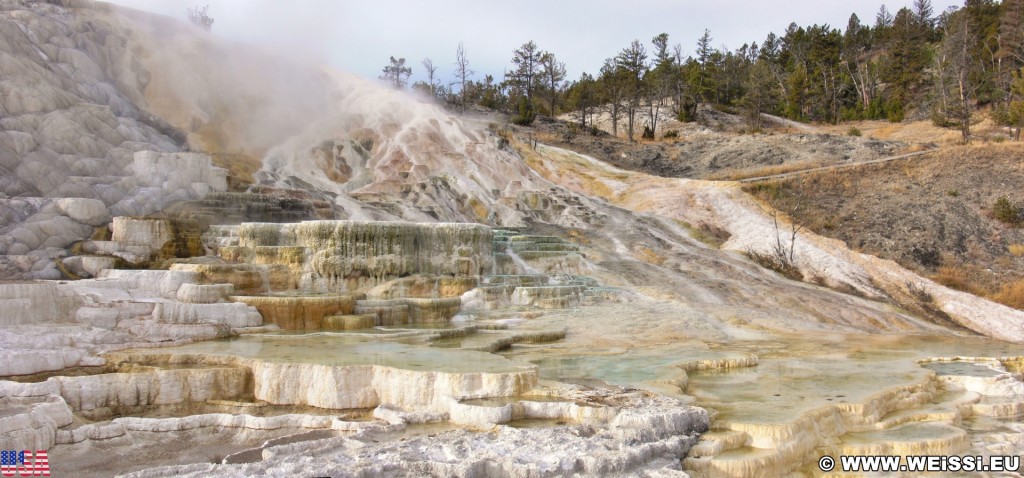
(949, 66)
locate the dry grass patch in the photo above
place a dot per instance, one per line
(1016, 250)
(648, 255)
(1011, 294)
(973, 280)
(962, 278)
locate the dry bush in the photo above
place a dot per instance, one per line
(1011, 294)
(778, 262)
(1016, 250)
(1006, 212)
(973, 280)
(833, 179)
(959, 278)
(710, 234)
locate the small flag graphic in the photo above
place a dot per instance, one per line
(24, 463)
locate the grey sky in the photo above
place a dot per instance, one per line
(359, 36)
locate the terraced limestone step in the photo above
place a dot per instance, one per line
(389, 312)
(548, 297)
(718, 441)
(219, 235)
(350, 322)
(300, 312)
(518, 280)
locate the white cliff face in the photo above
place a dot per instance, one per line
(369, 385)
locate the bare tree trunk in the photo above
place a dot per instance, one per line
(615, 118)
(630, 113)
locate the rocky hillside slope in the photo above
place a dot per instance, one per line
(933, 214)
(718, 145)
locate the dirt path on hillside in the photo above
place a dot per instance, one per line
(836, 166)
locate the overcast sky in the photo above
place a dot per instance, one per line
(359, 36)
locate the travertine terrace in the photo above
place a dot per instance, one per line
(381, 287)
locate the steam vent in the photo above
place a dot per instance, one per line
(219, 260)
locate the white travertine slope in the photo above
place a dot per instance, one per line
(72, 118)
(751, 227)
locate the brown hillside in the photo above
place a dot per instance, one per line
(932, 214)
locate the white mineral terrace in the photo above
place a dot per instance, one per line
(523, 374)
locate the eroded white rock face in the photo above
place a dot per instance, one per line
(31, 422)
(179, 172)
(349, 255)
(204, 293)
(73, 119)
(76, 144)
(53, 325)
(91, 212)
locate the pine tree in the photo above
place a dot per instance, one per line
(553, 74)
(632, 62)
(396, 73)
(704, 84)
(1011, 33)
(525, 77)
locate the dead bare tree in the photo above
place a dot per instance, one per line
(463, 74)
(955, 67)
(781, 259)
(431, 70)
(200, 16)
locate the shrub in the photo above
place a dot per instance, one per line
(939, 119)
(769, 190)
(526, 114)
(895, 114)
(670, 134)
(777, 262)
(1006, 212)
(919, 292)
(853, 131)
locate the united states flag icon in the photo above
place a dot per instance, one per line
(24, 463)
